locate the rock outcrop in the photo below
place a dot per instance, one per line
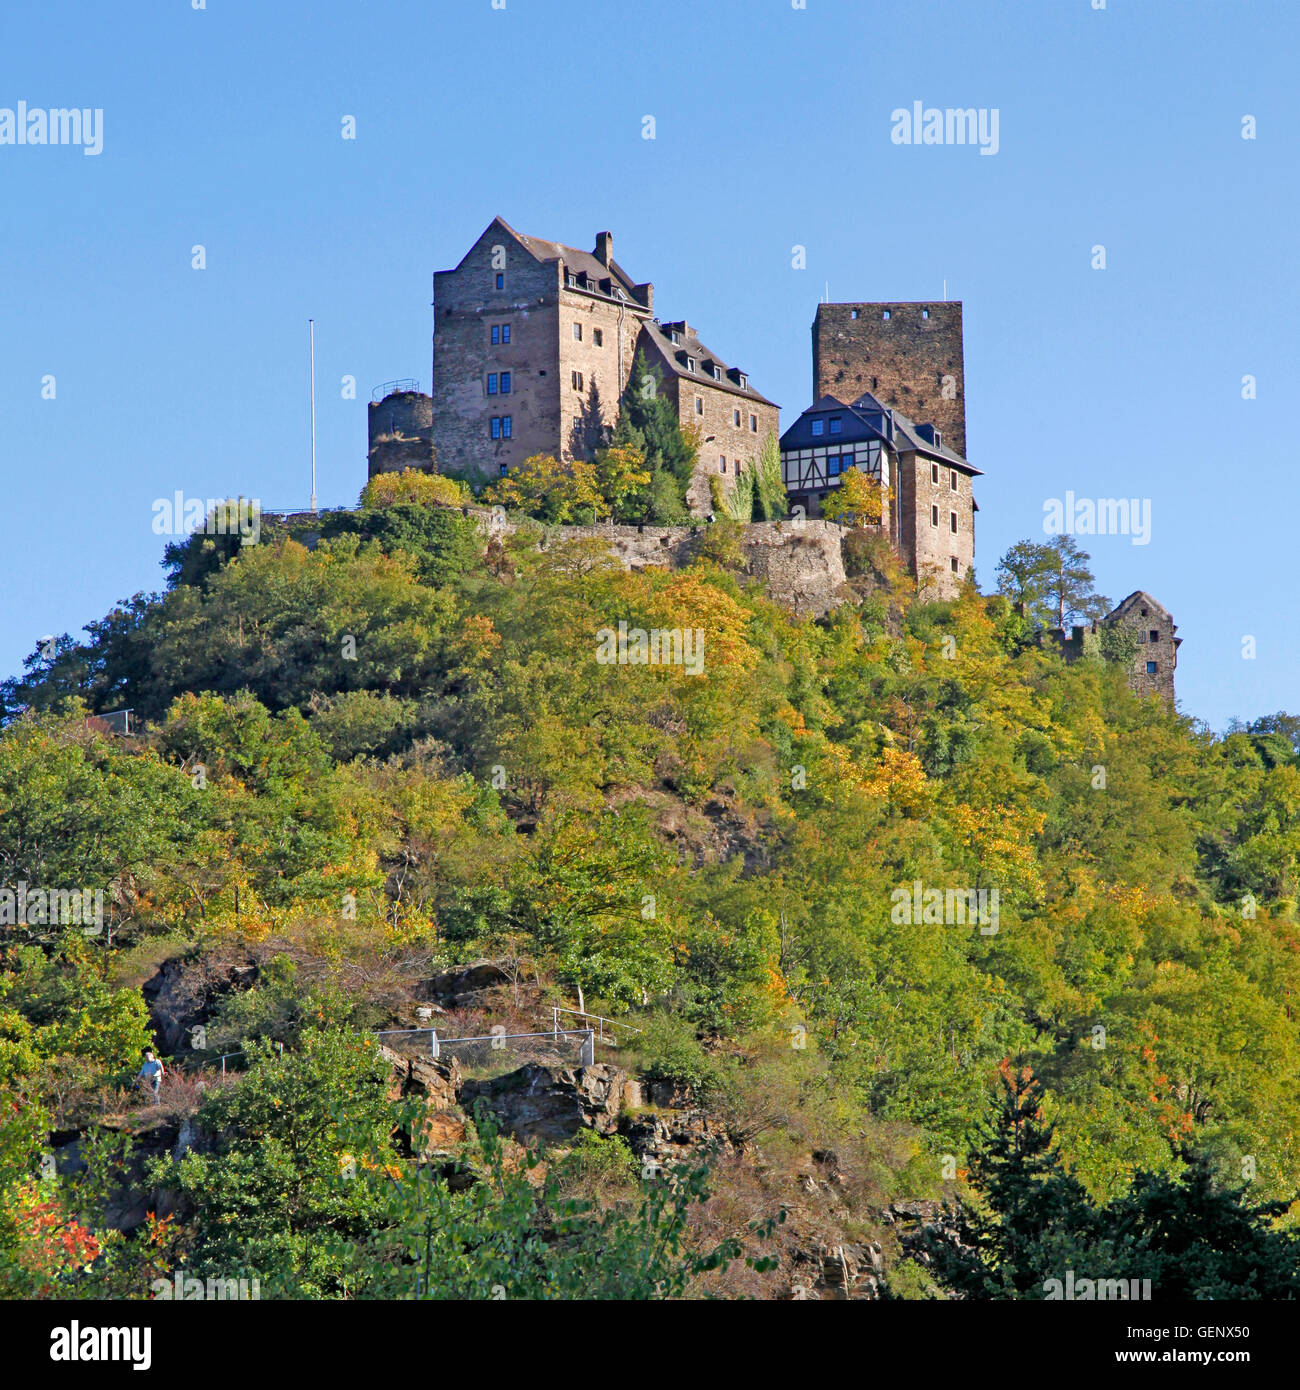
(799, 562)
(550, 1104)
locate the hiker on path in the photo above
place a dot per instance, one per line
(151, 1074)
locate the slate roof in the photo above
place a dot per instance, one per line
(862, 423)
(578, 262)
(856, 426)
(674, 355)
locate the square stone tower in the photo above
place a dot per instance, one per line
(909, 356)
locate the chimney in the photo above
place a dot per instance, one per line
(605, 248)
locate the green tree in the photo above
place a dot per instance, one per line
(1053, 581)
(545, 488)
(648, 420)
(770, 497)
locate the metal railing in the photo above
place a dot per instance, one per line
(485, 1049)
(608, 1039)
(390, 387)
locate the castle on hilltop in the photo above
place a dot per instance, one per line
(535, 343)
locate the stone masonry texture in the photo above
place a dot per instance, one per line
(911, 360)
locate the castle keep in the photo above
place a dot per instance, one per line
(908, 356)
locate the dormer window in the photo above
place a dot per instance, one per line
(690, 364)
(743, 379)
(672, 337)
(572, 281)
(837, 424)
(717, 372)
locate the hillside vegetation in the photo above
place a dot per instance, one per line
(365, 764)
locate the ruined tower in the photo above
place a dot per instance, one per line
(909, 356)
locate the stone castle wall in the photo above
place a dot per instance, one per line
(801, 564)
(400, 430)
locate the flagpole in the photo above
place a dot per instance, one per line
(311, 330)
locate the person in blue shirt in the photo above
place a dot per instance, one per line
(151, 1074)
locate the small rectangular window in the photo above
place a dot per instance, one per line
(575, 379)
(505, 383)
(699, 405)
(925, 313)
(496, 334)
(853, 313)
(819, 426)
(1151, 668)
(492, 383)
(952, 522)
(722, 463)
(505, 332)
(501, 282)
(954, 564)
(837, 423)
(1155, 634)
(934, 472)
(505, 426)
(598, 337)
(753, 424)
(833, 466)
(577, 333)
(952, 479)
(934, 516)
(885, 316)
(496, 427)
(735, 418)
(503, 470)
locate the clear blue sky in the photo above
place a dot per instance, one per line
(222, 128)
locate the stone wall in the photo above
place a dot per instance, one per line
(711, 409)
(467, 305)
(1157, 643)
(800, 564)
(603, 356)
(929, 550)
(902, 360)
(400, 429)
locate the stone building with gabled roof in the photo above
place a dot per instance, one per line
(533, 345)
(927, 499)
(1155, 655)
(729, 416)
